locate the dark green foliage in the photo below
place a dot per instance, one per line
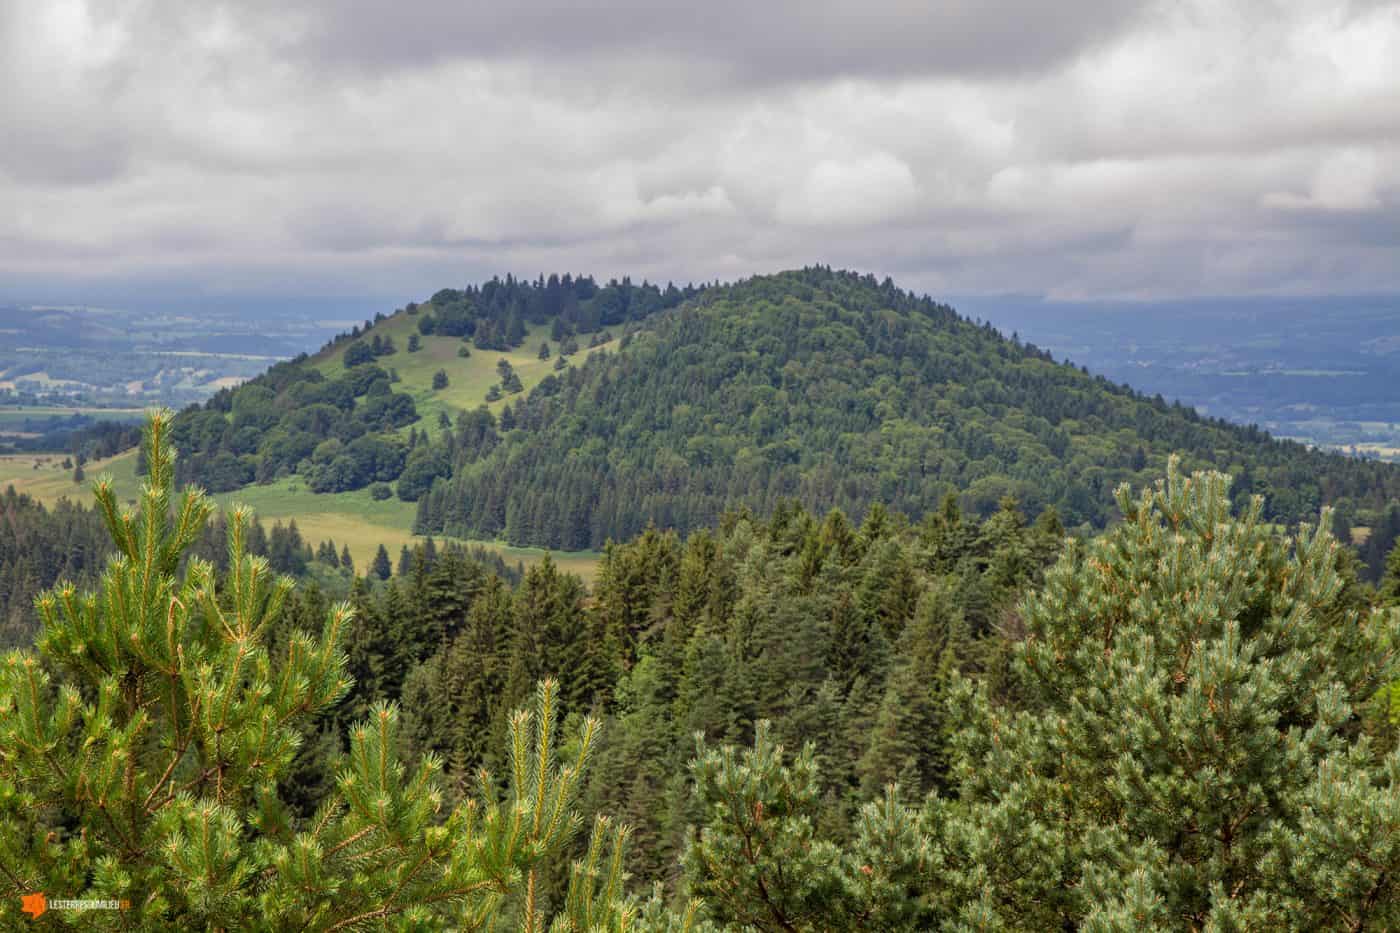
(1384, 536)
(287, 553)
(495, 313)
(440, 380)
(788, 620)
(294, 420)
(841, 391)
(425, 465)
(829, 388)
(380, 568)
(361, 352)
(1390, 580)
(38, 547)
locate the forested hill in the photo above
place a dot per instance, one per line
(839, 391)
(350, 416)
(564, 413)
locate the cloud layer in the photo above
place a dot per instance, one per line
(1097, 148)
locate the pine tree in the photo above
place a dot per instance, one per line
(381, 568)
(1183, 751)
(151, 773)
(909, 743)
(757, 861)
(346, 561)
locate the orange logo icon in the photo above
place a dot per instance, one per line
(34, 904)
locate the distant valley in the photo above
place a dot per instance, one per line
(1325, 371)
(59, 361)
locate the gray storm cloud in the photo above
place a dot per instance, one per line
(1098, 148)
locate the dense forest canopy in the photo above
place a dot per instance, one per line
(839, 391)
(790, 722)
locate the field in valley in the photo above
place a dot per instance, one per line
(352, 519)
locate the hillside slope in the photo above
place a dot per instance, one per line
(346, 439)
(673, 406)
(353, 414)
(839, 391)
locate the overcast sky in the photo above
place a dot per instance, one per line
(1082, 148)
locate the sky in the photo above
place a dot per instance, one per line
(1083, 149)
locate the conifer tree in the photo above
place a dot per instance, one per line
(141, 753)
(757, 861)
(909, 743)
(380, 568)
(1390, 581)
(1184, 751)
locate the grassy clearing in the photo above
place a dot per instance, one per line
(468, 379)
(355, 520)
(43, 476)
